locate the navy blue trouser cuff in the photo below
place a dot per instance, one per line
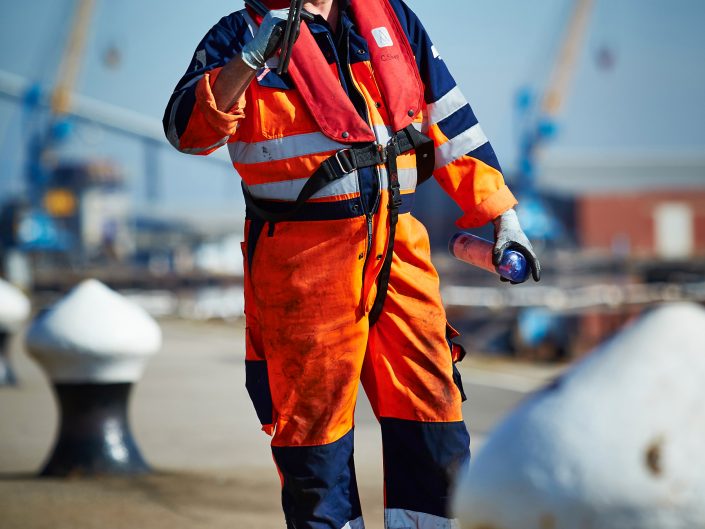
(319, 485)
(421, 461)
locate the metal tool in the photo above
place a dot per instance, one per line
(290, 35)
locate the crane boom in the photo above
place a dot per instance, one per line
(538, 125)
(564, 68)
(72, 58)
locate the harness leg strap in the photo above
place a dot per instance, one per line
(394, 204)
(402, 142)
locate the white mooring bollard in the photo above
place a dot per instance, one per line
(14, 311)
(93, 345)
(618, 442)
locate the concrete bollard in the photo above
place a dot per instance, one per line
(14, 311)
(93, 345)
(618, 442)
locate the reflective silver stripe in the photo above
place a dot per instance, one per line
(293, 146)
(403, 519)
(422, 126)
(383, 180)
(282, 148)
(407, 179)
(192, 82)
(462, 144)
(172, 134)
(290, 189)
(446, 106)
(357, 523)
(200, 150)
(202, 58)
(383, 133)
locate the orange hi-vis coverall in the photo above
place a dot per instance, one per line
(311, 280)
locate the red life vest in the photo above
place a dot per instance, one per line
(391, 57)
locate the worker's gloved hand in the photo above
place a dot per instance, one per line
(508, 235)
(267, 40)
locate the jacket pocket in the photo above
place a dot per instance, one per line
(281, 111)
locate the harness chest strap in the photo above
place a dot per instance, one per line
(344, 162)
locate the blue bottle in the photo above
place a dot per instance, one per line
(478, 252)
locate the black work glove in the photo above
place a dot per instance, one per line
(508, 235)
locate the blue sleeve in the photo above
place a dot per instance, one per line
(223, 42)
(447, 107)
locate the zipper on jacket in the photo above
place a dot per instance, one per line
(370, 230)
(351, 82)
(369, 234)
(354, 85)
(355, 93)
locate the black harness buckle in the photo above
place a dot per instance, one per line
(396, 201)
(382, 151)
(345, 160)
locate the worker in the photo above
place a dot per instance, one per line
(339, 285)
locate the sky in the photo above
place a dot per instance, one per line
(652, 99)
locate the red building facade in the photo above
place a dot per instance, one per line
(667, 224)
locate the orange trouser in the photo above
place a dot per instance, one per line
(309, 288)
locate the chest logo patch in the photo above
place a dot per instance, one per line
(382, 37)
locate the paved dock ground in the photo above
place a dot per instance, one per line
(195, 425)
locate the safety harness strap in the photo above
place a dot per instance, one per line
(425, 152)
(425, 162)
(341, 164)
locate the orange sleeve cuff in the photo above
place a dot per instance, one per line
(224, 123)
(489, 209)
